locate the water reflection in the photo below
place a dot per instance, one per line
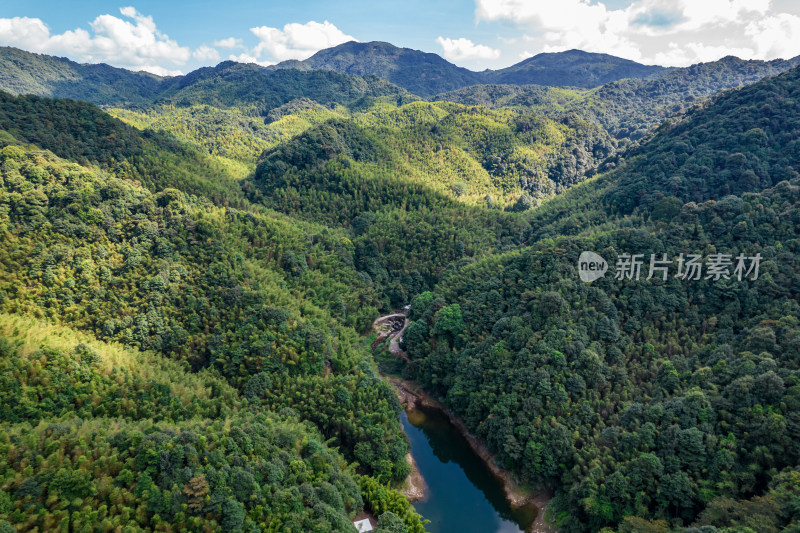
(463, 495)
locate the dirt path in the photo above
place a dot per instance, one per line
(391, 327)
(394, 344)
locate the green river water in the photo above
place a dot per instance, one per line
(463, 495)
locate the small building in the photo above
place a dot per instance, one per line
(363, 525)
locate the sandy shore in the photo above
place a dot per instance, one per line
(416, 488)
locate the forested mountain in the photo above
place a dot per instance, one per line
(107, 437)
(80, 132)
(572, 68)
(228, 84)
(268, 304)
(374, 170)
(28, 73)
(647, 403)
(421, 73)
(188, 281)
(232, 84)
(627, 108)
(426, 74)
(413, 183)
(467, 152)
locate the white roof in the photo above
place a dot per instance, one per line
(363, 525)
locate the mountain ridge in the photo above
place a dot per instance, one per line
(426, 74)
(215, 353)
(423, 74)
(54, 76)
(575, 68)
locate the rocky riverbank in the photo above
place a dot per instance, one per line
(412, 396)
(391, 327)
(416, 489)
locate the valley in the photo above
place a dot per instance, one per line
(242, 297)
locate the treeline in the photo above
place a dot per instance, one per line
(24, 72)
(98, 436)
(231, 84)
(80, 132)
(256, 297)
(649, 405)
(228, 84)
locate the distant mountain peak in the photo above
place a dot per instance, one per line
(576, 68)
(421, 73)
(427, 74)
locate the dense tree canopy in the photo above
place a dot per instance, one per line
(188, 284)
(658, 399)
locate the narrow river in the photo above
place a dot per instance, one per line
(463, 495)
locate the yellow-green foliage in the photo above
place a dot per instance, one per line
(470, 152)
(382, 499)
(244, 472)
(52, 370)
(251, 295)
(235, 136)
(29, 335)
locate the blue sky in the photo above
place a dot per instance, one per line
(178, 36)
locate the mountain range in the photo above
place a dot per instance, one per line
(189, 277)
(420, 73)
(427, 74)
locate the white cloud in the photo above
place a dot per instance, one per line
(296, 41)
(670, 32)
(694, 52)
(710, 12)
(205, 54)
(776, 36)
(158, 70)
(230, 42)
(133, 42)
(248, 58)
(566, 24)
(460, 49)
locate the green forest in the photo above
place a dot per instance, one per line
(190, 269)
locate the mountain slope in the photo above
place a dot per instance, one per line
(228, 84)
(80, 132)
(644, 402)
(426, 74)
(254, 296)
(232, 84)
(745, 141)
(421, 73)
(421, 186)
(257, 314)
(572, 68)
(631, 107)
(627, 108)
(166, 445)
(28, 73)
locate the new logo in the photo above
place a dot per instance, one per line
(591, 267)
